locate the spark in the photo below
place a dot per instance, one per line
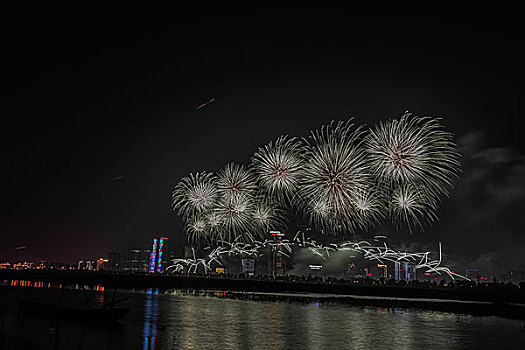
(380, 253)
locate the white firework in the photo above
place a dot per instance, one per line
(278, 167)
(413, 150)
(411, 206)
(235, 215)
(196, 231)
(236, 180)
(266, 217)
(335, 171)
(370, 207)
(195, 194)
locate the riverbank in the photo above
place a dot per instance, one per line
(485, 299)
(483, 292)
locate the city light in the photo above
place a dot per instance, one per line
(159, 260)
(152, 256)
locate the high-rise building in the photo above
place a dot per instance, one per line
(410, 271)
(397, 270)
(189, 252)
(383, 269)
(114, 260)
(405, 270)
(248, 266)
(157, 259)
(277, 264)
(137, 258)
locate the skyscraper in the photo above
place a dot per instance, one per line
(157, 262)
(277, 265)
(137, 258)
(114, 260)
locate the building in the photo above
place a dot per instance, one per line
(472, 274)
(189, 252)
(410, 271)
(158, 261)
(383, 271)
(137, 258)
(85, 265)
(114, 260)
(248, 267)
(276, 262)
(102, 264)
(405, 270)
(397, 270)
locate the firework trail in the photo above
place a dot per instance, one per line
(205, 104)
(380, 253)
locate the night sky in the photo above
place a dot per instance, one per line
(99, 120)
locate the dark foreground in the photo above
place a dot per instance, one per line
(480, 300)
(194, 319)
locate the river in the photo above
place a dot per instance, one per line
(214, 321)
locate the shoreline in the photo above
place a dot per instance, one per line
(480, 301)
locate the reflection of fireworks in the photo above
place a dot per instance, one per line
(278, 167)
(413, 150)
(195, 194)
(335, 171)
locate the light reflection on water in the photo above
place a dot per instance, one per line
(151, 309)
(159, 321)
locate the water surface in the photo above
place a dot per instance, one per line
(182, 321)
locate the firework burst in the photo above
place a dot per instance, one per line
(335, 172)
(196, 231)
(195, 194)
(235, 217)
(267, 216)
(370, 204)
(342, 178)
(411, 206)
(413, 150)
(278, 166)
(236, 180)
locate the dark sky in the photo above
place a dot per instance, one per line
(90, 97)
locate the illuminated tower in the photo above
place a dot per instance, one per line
(410, 271)
(384, 270)
(159, 259)
(152, 256)
(155, 261)
(277, 256)
(397, 270)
